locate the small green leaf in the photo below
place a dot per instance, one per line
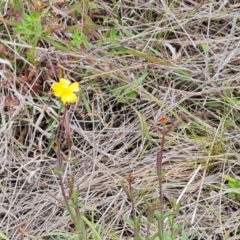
(168, 214)
(234, 184)
(35, 15)
(131, 222)
(3, 236)
(106, 19)
(132, 95)
(136, 83)
(27, 18)
(58, 172)
(232, 101)
(122, 100)
(226, 177)
(231, 195)
(24, 31)
(127, 191)
(75, 196)
(238, 197)
(38, 28)
(182, 73)
(34, 41)
(204, 47)
(54, 43)
(154, 236)
(31, 55)
(17, 5)
(213, 104)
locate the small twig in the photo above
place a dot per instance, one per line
(188, 184)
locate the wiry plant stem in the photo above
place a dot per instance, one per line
(60, 168)
(133, 209)
(164, 133)
(159, 172)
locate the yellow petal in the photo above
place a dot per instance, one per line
(57, 89)
(69, 98)
(74, 87)
(64, 82)
(55, 86)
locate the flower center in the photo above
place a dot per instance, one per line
(66, 90)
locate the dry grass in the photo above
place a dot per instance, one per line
(199, 87)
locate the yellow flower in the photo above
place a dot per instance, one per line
(65, 90)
